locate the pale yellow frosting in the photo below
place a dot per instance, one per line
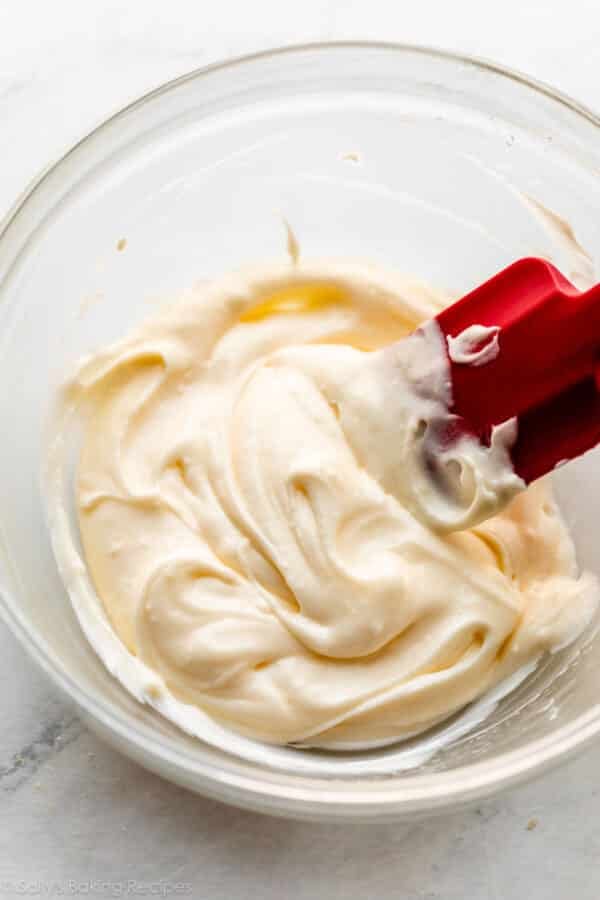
(262, 536)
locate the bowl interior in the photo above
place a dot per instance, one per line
(436, 166)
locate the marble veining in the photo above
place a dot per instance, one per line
(51, 740)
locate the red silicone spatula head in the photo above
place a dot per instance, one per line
(542, 369)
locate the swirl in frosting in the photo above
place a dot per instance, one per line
(262, 532)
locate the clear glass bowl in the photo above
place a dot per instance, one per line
(417, 159)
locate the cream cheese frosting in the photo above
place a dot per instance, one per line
(269, 517)
(477, 345)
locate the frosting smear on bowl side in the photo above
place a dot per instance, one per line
(275, 530)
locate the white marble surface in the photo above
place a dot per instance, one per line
(74, 811)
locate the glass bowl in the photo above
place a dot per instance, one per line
(442, 167)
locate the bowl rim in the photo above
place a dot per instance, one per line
(316, 798)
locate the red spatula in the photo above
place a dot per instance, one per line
(544, 369)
